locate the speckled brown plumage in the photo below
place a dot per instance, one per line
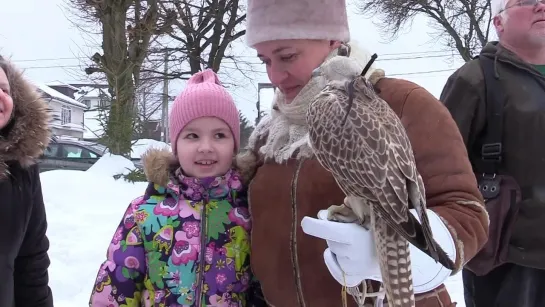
(371, 158)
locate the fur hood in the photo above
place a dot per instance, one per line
(27, 134)
(160, 163)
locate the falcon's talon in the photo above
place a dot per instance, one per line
(366, 224)
(342, 214)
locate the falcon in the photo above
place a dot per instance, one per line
(357, 137)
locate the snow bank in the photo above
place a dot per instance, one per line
(83, 211)
(110, 165)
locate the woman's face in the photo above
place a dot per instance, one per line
(290, 62)
(6, 102)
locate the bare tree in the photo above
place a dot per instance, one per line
(462, 25)
(149, 97)
(127, 28)
(202, 37)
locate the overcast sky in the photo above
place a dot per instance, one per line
(38, 36)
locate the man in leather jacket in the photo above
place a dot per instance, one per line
(519, 72)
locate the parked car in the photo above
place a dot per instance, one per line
(73, 154)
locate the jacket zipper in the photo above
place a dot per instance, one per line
(293, 238)
(202, 251)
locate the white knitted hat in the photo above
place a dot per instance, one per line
(269, 20)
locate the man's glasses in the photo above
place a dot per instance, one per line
(524, 3)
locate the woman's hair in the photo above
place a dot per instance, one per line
(10, 72)
(7, 67)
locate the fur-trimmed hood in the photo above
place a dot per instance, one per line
(160, 163)
(27, 134)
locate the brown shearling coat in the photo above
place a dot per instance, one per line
(289, 264)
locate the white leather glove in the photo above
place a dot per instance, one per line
(351, 249)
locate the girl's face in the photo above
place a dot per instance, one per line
(205, 148)
(6, 102)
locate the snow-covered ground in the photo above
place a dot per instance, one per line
(83, 210)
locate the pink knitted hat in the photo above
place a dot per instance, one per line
(296, 19)
(203, 96)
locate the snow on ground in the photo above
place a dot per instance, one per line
(456, 289)
(110, 165)
(83, 211)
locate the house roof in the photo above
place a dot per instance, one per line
(59, 96)
(60, 83)
(87, 92)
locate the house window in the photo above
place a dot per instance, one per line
(87, 102)
(66, 115)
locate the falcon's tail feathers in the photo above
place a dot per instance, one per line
(423, 240)
(395, 264)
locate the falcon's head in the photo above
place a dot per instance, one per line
(338, 68)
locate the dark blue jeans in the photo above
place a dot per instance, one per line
(509, 285)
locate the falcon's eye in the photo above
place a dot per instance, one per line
(316, 72)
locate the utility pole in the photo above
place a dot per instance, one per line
(261, 86)
(164, 113)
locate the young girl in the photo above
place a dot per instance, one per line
(186, 241)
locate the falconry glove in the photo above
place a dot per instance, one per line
(350, 245)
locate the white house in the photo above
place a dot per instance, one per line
(95, 99)
(67, 112)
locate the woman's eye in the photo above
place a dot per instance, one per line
(220, 135)
(191, 136)
(287, 58)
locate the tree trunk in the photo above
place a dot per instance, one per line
(118, 69)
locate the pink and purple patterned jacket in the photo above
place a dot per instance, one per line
(185, 243)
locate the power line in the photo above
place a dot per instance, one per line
(414, 57)
(421, 72)
(252, 71)
(51, 59)
(422, 54)
(53, 66)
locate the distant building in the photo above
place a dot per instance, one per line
(68, 119)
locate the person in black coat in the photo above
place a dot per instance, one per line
(24, 134)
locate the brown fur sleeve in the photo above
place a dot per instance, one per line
(441, 158)
(248, 160)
